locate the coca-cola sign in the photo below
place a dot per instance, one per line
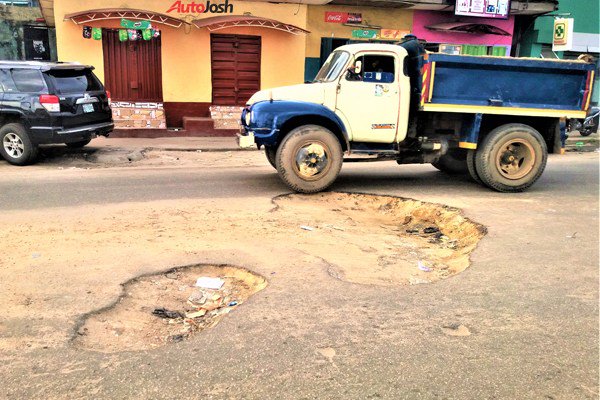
(342, 17)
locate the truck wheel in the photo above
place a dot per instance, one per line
(471, 166)
(78, 145)
(453, 162)
(511, 158)
(271, 153)
(16, 146)
(309, 159)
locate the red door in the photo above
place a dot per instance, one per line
(132, 69)
(235, 61)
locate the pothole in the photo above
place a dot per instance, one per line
(382, 240)
(167, 307)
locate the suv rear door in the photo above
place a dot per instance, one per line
(83, 100)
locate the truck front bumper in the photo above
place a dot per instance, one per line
(246, 141)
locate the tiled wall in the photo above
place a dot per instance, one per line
(138, 115)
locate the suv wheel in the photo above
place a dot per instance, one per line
(16, 147)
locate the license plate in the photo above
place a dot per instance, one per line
(88, 108)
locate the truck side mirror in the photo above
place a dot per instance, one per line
(358, 67)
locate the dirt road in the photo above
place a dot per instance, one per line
(366, 297)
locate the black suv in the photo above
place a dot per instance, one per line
(44, 103)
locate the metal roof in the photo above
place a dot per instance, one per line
(83, 17)
(467, 27)
(232, 21)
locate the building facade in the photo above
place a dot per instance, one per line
(538, 35)
(24, 34)
(204, 60)
(189, 65)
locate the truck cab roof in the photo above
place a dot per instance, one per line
(358, 47)
(42, 65)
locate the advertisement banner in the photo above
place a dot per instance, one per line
(364, 33)
(125, 23)
(483, 8)
(562, 37)
(343, 17)
(393, 34)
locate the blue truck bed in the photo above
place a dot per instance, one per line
(510, 86)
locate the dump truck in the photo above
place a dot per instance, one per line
(495, 118)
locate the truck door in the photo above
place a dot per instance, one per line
(369, 97)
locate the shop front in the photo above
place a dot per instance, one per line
(183, 65)
(455, 34)
(332, 26)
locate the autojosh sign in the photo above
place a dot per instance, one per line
(199, 8)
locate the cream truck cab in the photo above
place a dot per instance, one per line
(495, 118)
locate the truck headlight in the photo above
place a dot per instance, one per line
(248, 118)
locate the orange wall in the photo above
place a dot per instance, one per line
(386, 18)
(186, 50)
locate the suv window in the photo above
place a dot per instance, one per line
(3, 79)
(74, 81)
(28, 80)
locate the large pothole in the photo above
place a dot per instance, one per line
(382, 240)
(167, 307)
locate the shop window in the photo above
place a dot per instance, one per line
(373, 68)
(477, 50)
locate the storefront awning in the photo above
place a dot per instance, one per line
(84, 17)
(465, 27)
(233, 21)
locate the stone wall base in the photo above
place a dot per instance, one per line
(138, 115)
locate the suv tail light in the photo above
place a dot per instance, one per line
(108, 96)
(50, 102)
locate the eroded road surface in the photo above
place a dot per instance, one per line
(402, 282)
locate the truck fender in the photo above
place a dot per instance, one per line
(282, 116)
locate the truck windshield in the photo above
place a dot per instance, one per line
(332, 67)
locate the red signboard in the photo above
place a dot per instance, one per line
(343, 17)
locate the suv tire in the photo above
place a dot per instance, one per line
(15, 145)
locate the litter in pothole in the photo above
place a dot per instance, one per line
(168, 307)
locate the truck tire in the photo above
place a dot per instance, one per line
(471, 167)
(271, 153)
(453, 162)
(15, 145)
(309, 159)
(511, 158)
(78, 145)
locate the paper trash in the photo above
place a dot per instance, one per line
(210, 283)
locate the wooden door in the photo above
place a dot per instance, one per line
(235, 66)
(132, 69)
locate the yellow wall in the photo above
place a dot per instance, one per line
(186, 50)
(387, 18)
